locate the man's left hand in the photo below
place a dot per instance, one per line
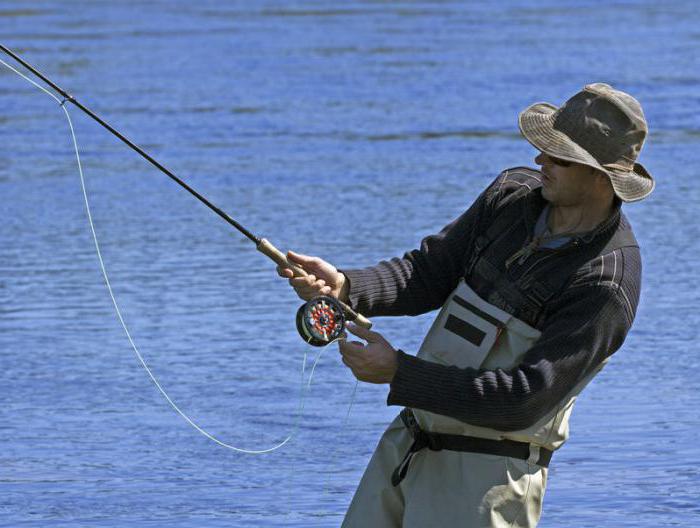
(375, 362)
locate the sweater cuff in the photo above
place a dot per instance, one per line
(361, 286)
(409, 373)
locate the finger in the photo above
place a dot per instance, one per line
(303, 292)
(302, 260)
(344, 346)
(303, 282)
(351, 349)
(285, 272)
(367, 335)
(351, 366)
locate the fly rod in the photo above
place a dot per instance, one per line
(319, 320)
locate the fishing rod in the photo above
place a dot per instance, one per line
(320, 320)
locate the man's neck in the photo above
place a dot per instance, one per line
(579, 218)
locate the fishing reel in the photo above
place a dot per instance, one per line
(320, 320)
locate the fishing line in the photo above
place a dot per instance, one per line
(303, 389)
(334, 454)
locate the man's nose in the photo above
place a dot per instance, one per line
(540, 158)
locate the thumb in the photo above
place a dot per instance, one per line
(307, 262)
(367, 335)
(298, 258)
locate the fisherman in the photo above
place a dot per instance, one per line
(539, 282)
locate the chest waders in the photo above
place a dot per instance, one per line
(432, 470)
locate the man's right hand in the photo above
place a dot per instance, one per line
(323, 278)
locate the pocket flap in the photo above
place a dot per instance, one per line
(465, 331)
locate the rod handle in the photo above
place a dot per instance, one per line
(266, 248)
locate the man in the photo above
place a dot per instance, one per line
(539, 283)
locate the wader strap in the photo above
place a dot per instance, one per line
(452, 442)
(501, 226)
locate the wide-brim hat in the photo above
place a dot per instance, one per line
(600, 127)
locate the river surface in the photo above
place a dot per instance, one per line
(349, 130)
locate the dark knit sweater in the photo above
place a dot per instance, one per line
(582, 325)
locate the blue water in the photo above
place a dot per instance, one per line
(348, 130)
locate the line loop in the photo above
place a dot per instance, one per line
(304, 387)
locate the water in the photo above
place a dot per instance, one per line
(348, 130)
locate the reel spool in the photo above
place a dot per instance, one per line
(320, 320)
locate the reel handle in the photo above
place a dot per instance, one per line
(266, 248)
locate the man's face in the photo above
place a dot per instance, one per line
(566, 183)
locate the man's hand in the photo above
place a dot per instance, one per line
(323, 278)
(375, 362)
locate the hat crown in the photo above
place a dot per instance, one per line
(607, 123)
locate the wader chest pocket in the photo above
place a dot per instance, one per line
(465, 332)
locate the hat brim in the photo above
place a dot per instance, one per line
(536, 124)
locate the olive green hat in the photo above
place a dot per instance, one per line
(600, 127)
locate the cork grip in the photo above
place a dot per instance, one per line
(266, 248)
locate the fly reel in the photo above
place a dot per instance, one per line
(320, 321)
